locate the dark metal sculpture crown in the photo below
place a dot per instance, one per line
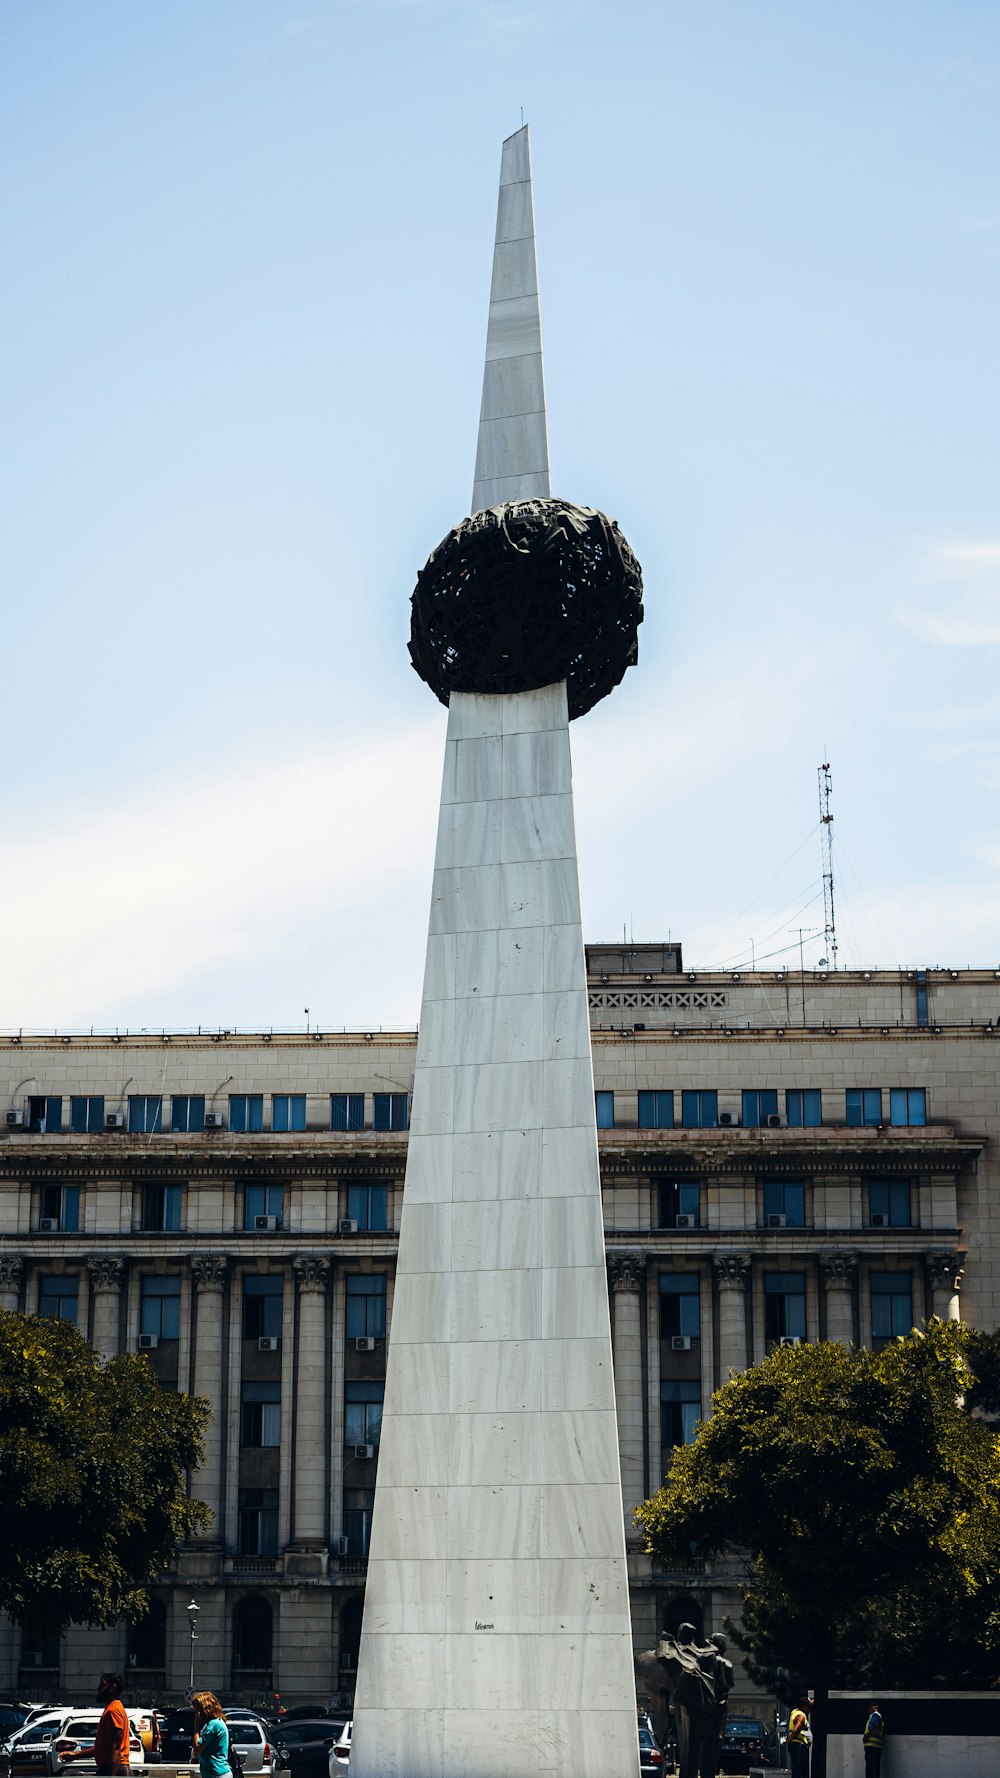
(523, 595)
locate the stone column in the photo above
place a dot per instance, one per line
(839, 1271)
(626, 1272)
(106, 1273)
(11, 1274)
(209, 1271)
(732, 1275)
(311, 1518)
(945, 1272)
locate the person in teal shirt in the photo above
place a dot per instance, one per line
(211, 1736)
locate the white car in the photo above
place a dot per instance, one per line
(28, 1747)
(72, 1748)
(340, 1752)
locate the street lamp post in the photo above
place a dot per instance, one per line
(192, 1611)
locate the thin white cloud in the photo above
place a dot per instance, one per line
(951, 630)
(960, 560)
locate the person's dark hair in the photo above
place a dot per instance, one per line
(116, 1683)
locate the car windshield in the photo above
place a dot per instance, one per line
(744, 1725)
(80, 1730)
(42, 1727)
(247, 1731)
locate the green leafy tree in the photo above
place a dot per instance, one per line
(93, 1463)
(863, 1498)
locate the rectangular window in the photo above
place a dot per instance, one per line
(161, 1208)
(362, 1414)
(263, 1306)
(804, 1108)
(700, 1110)
(680, 1198)
(187, 1113)
(60, 1204)
(784, 1306)
(907, 1105)
(680, 1305)
(889, 1203)
(86, 1114)
(145, 1113)
(288, 1111)
(358, 1504)
(263, 1200)
(57, 1297)
(260, 1415)
(246, 1113)
(656, 1111)
(160, 1307)
(680, 1412)
(787, 1198)
(347, 1111)
(864, 1105)
(368, 1206)
(45, 1114)
(258, 1508)
(604, 1107)
(391, 1111)
(892, 1306)
(365, 1306)
(758, 1105)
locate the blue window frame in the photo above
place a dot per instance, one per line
(61, 1204)
(889, 1203)
(363, 1413)
(358, 1504)
(45, 1114)
(187, 1112)
(699, 1109)
(86, 1113)
(246, 1113)
(263, 1200)
(263, 1306)
(784, 1305)
(680, 1412)
(892, 1306)
(160, 1307)
(288, 1111)
(804, 1108)
(759, 1104)
(787, 1198)
(365, 1306)
(604, 1109)
(260, 1415)
(368, 1205)
(347, 1111)
(161, 1208)
(656, 1111)
(680, 1305)
(258, 1521)
(391, 1111)
(864, 1105)
(57, 1297)
(679, 1197)
(907, 1105)
(145, 1113)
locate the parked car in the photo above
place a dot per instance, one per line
(303, 1747)
(651, 1761)
(28, 1747)
(72, 1749)
(12, 1718)
(148, 1726)
(249, 1735)
(176, 1735)
(742, 1744)
(340, 1752)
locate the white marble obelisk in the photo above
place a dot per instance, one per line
(496, 1636)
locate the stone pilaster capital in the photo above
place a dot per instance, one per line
(838, 1268)
(627, 1270)
(946, 1270)
(210, 1270)
(11, 1271)
(732, 1270)
(311, 1272)
(106, 1271)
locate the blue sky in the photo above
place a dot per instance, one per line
(247, 268)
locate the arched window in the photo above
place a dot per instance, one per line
(252, 1633)
(682, 1609)
(147, 1639)
(350, 1633)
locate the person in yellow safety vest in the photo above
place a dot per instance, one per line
(873, 1735)
(797, 1741)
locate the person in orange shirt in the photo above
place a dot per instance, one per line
(111, 1742)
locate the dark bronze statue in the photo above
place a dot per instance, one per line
(696, 1679)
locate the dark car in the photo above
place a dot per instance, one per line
(303, 1747)
(176, 1736)
(651, 1762)
(12, 1716)
(742, 1744)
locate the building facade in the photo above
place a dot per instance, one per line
(784, 1156)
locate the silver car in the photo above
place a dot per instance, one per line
(249, 1737)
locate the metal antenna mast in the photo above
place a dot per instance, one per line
(826, 823)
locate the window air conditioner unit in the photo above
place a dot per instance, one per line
(48, 1225)
(268, 1343)
(339, 1546)
(13, 1118)
(115, 1120)
(215, 1120)
(364, 1451)
(685, 1221)
(265, 1225)
(364, 1343)
(776, 1221)
(347, 1226)
(148, 1342)
(773, 1121)
(877, 1220)
(680, 1343)
(790, 1340)
(729, 1118)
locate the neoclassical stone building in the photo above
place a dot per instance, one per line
(783, 1156)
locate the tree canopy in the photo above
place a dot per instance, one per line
(93, 1462)
(862, 1496)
